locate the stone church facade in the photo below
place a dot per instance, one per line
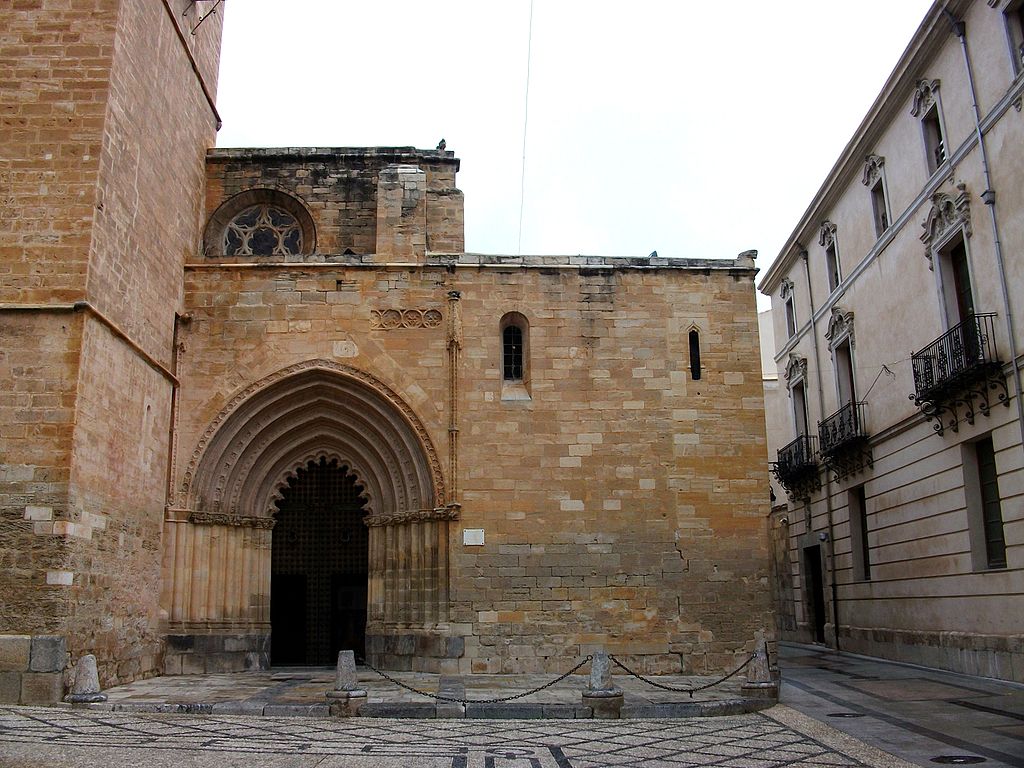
(260, 405)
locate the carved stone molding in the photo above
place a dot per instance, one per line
(827, 233)
(840, 327)
(210, 518)
(796, 368)
(873, 165)
(394, 319)
(993, 3)
(948, 213)
(926, 94)
(787, 288)
(449, 512)
(312, 408)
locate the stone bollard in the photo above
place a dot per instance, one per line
(347, 697)
(86, 689)
(760, 684)
(601, 695)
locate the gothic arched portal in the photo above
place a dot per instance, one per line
(247, 472)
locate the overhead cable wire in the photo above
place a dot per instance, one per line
(526, 120)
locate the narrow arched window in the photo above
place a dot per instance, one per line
(694, 355)
(512, 353)
(515, 356)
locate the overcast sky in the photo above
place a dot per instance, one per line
(694, 129)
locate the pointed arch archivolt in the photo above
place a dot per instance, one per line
(298, 414)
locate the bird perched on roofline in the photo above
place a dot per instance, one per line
(441, 145)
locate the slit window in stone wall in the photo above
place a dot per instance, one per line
(263, 230)
(695, 354)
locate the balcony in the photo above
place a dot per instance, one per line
(797, 467)
(959, 374)
(844, 441)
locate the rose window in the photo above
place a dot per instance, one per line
(263, 230)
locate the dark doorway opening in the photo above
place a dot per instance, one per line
(319, 563)
(814, 582)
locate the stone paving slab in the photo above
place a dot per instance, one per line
(780, 738)
(926, 716)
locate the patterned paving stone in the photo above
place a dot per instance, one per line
(778, 739)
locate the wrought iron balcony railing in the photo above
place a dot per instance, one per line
(843, 427)
(954, 355)
(843, 438)
(797, 467)
(958, 371)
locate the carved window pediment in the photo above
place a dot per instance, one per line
(827, 233)
(787, 288)
(796, 369)
(840, 327)
(926, 94)
(948, 214)
(873, 165)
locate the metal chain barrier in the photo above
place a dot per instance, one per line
(690, 691)
(454, 700)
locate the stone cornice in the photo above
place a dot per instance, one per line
(742, 264)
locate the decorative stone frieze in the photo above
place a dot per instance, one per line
(210, 518)
(395, 319)
(450, 512)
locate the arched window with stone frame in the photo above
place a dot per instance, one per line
(260, 223)
(514, 334)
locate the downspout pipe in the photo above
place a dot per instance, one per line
(828, 483)
(989, 198)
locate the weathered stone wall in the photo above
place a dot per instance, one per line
(38, 374)
(340, 189)
(105, 168)
(623, 504)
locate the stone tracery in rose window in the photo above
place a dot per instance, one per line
(263, 230)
